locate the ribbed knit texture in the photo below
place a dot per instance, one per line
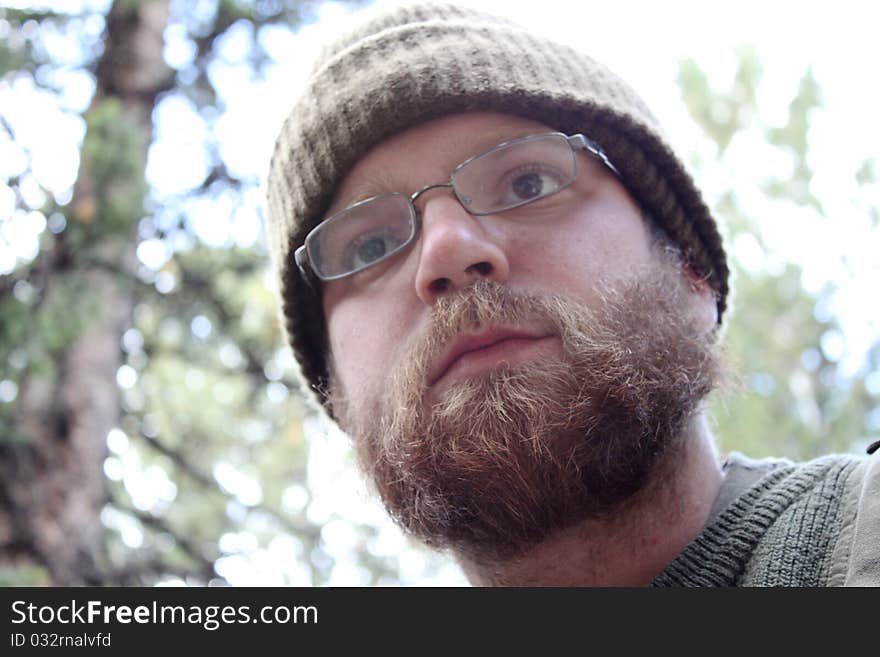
(427, 61)
(780, 532)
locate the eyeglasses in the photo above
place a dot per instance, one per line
(510, 175)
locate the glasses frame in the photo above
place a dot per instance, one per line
(577, 142)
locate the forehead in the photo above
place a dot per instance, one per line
(427, 153)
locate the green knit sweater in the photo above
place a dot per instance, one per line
(777, 523)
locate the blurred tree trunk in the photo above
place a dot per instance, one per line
(52, 487)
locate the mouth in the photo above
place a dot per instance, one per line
(473, 353)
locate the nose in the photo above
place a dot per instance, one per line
(456, 250)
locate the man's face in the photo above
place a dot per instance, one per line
(581, 235)
(501, 376)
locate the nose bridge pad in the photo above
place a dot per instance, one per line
(420, 213)
(456, 207)
(426, 188)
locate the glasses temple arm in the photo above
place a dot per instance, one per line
(305, 267)
(586, 144)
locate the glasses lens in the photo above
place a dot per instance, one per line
(515, 173)
(361, 236)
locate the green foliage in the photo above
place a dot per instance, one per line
(792, 137)
(202, 411)
(68, 309)
(789, 401)
(21, 16)
(11, 59)
(791, 397)
(14, 329)
(231, 11)
(25, 575)
(44, 325)
(867, 173)
(201, 403)
(17, 48)
(112, 161)
(721, 115)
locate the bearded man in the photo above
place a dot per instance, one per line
(503, 284)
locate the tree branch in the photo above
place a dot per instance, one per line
(302, 529)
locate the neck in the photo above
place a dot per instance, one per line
(632, 548)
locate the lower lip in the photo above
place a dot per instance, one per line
(509, 352)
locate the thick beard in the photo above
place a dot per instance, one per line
(500, 462)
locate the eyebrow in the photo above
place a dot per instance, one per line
(375, 183)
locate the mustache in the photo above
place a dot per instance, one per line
(484, 304)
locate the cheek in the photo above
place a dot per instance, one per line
(579, 250)
(364, 338)
(348, 338)
(621, 244)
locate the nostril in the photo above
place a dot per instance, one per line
(482, 268)
(440, 285)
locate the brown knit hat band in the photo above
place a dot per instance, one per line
(429, 61)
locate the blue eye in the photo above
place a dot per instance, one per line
(371, 248)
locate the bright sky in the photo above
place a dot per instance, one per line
(640, 40)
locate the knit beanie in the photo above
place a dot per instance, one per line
(424, 61)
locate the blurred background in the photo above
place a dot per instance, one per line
(151, 431)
